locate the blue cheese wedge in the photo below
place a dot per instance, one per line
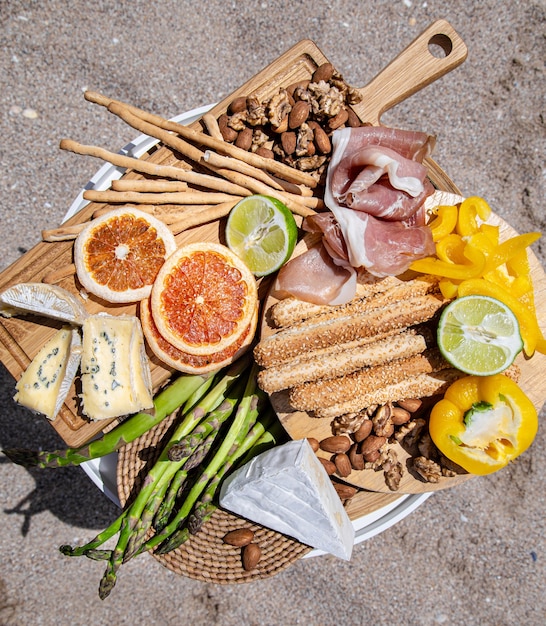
(42, 299)
(115, 372)
(44, 385)
(287, 489)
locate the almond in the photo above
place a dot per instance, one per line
(329, 466)
(289, 142)
(320, 138)
(265, 152)
(352, 119)
(238, 105)
(410, 404)
(314, 443)
(239, 537)
(343, 465)
(335, 444)
(356, 457)
(363, 431)
(292, 88)
(282, 127)
(251, 555)
(338, 120)
(244, 139)
(323, 72)
(345, 492)
(399, 415)
(299, 114)
(372, 443)
(228, 133)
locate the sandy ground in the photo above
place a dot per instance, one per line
(470, 555)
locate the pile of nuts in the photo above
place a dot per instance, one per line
(294, 125)
(365, 441)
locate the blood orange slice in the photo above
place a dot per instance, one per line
(191, 363)
(119, 254)
(203, 298)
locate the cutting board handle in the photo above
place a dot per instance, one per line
(414, 68)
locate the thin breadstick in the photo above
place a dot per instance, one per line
(162, 171)
(63, 233)
(57, 275)
(211, 124)
(222, 161)
(197, 218)
(280, 169)
(182, 197)
(149, 186)
(256, 186)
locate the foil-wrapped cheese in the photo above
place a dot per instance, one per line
(287, 489)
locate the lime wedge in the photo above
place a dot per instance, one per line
(479, 335)
(261, 231)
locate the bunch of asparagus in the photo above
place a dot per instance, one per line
(223, 420)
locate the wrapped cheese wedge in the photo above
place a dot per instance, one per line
(115, 372)
(41, 299)
(44, 385)
(287, 489)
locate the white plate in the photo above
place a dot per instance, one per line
(102, 472)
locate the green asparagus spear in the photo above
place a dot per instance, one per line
(165, 403)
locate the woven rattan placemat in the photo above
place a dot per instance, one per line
(205, 556)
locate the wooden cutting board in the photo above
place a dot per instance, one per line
(413, 69)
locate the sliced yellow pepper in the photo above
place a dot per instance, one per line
(483, 422)
(457, 271)
(507, 249)
(444, 223)
(451, 249)
(469, 210)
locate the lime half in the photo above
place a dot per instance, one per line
(262, 231)
(479, 335)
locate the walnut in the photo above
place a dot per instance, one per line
(409, 433)
(304, 138)
(308, 164)
(237, 121)
(278, 107)
(382, 421)
(427, 447)
(325, 100)
(393, 472)
(256, 115)
(348, 423)
(259, 138)
(450, 468)
(430, 471)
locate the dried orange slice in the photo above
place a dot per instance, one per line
(119, 254)
(191, 363)
(203, 298)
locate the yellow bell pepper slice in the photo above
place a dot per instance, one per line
(451, 249)
(444, 222)
(483, 422)
(456, 271)
(507, 249)
(469, 210)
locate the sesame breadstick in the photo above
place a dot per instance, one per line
(344, 360)
(325, 393)
(340, 327)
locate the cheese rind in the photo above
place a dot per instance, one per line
(45, 383)
(42, 299)
(287, 489)
(115, 372)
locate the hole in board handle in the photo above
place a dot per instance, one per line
(440, 46)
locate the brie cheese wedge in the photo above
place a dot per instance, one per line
(42, 299)
(44, 385)
(115, 371)
(288, 490)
